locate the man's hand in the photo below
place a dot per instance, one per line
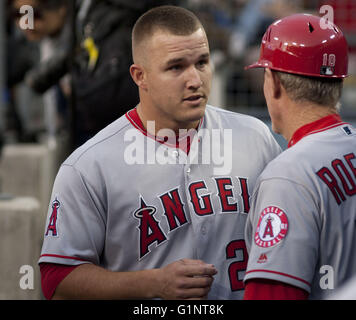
(186, 279)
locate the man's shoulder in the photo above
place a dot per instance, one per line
(234, 120)
(292, 163)
(109, 138)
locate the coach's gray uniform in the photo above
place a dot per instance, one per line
(127, 217)
(301, 227)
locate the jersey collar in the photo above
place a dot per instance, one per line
(181, 142)
(319, 125)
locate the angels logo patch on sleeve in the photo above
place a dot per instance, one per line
(52, 224)
(272, 227)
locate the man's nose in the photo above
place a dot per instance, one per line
(193, 78)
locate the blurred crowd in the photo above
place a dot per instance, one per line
(69, 74)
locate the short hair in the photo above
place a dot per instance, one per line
(322, 91)
(175, 20)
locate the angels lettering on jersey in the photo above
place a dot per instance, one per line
(175, 213)
(230, 195)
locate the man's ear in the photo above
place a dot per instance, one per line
(138, 75)
(275, 83)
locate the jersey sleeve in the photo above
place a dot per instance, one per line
(282, 233)
(75, 225)
(264, 289)
(51, 276)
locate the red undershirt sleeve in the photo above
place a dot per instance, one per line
(265, 289)
(51, 276)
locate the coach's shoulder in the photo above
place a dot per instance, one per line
(288, 164)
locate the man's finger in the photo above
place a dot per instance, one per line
(200, 270)
(199, 282)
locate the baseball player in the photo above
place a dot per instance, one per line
(139, 213)
(301, 228)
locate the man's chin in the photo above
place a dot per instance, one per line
(195, 114)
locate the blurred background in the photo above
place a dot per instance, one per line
(64, 75)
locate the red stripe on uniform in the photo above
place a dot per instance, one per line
(280, 273)
(135, 120)
(59, 256)
(325, 123)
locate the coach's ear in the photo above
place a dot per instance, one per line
(138, 75)
(274, 83)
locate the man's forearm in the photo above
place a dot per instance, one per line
(89, 281)
(182, 279)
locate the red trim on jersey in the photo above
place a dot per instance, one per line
(52, 275)
(325, 123)
(280, 273)
(135, 120)
(59, 256)
(266, 289)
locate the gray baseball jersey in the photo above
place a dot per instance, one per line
(128, 202)
(301, 227)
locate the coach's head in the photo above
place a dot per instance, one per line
(171, 67)
(305, 61)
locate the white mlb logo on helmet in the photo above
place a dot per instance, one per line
(272, 227)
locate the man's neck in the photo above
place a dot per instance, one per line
(302, 114)
(159, 124)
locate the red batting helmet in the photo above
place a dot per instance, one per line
(304, 44)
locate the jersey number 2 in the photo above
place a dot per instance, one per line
(235, 267)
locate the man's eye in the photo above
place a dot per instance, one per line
(175, 67)
(202, 63)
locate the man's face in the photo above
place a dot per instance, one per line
(46, 22)
(178, 78)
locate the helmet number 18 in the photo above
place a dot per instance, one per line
(329, 60)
